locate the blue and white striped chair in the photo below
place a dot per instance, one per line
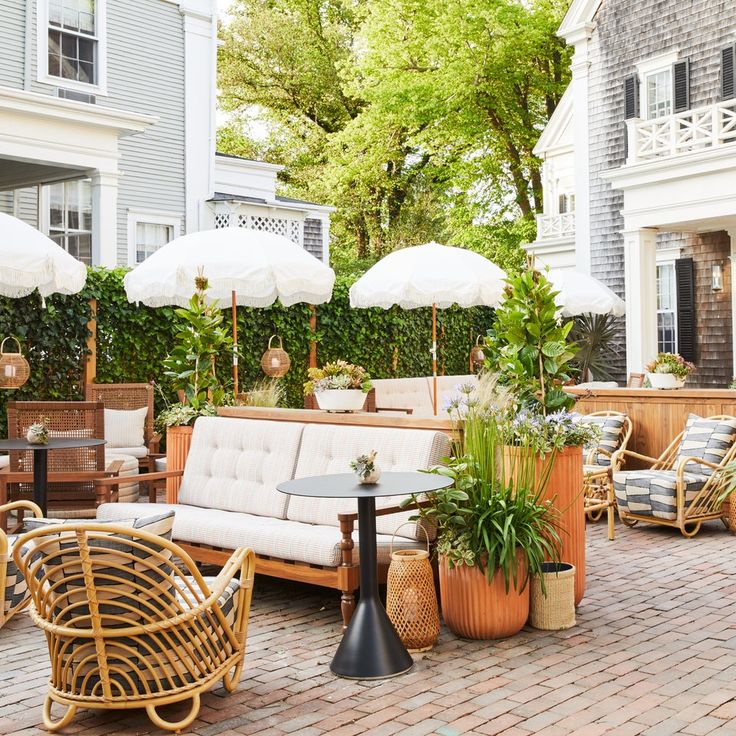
(682, 488)
(12, 583)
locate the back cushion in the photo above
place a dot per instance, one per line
(125, 428)
(403, 393)
(709, 439)
(235, 464)
(611, 432)
(329, 449)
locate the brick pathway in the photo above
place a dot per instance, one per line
(654, 653)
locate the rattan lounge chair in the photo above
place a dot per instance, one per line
(597, 489)
(682, 488)
(12, 582)
(126, 626)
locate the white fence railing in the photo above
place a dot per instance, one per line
(555, 226)
(692, 130)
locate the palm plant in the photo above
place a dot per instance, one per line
(598, 339)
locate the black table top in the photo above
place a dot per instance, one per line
(54, 443)
(346, 485)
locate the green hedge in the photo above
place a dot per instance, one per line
(133, 340)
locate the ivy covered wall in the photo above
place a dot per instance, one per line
(133, 340)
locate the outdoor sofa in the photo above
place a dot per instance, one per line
(401, 394)
(228, 497)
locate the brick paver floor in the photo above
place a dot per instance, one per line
(654, 653)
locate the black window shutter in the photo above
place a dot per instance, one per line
(681, 85)
(685, 281)
(728, 68)
(631, 97)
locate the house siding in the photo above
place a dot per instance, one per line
(627, 33)
(12, 42)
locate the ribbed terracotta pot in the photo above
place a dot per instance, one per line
(565, 487)
(178, 442)
(476, 609)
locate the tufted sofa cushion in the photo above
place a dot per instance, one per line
(234, 465)
(403, 393)
(329, 449)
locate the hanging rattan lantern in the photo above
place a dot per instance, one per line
(411, 600)
(477, 356)
(14, 369)
(275, 361)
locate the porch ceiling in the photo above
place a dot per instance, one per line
(15, 174)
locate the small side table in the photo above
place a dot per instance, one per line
(370, 648)
(40, 459)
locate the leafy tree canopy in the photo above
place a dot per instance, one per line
(417, 119)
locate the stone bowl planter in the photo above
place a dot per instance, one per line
(337, 399)
(665, 380)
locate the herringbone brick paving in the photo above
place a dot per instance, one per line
(654, 653)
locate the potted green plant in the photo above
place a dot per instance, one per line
(494, 528)
(668, 370)
(190, 366)
(529, 346)
(338, 386)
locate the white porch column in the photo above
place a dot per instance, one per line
(732, 261)
(640, 269)
(580, 69)
(104, 219)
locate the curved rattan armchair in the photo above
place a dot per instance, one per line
(13, 586)
(128, 624)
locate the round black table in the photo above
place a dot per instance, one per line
(370, 648)
(40, 459)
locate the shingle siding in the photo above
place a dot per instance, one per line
(628, 32)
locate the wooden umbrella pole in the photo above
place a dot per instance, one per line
(235, 344)
(313, 341)
(434, 357)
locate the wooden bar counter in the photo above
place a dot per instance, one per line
(657, 415)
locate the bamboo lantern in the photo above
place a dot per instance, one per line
(477, 356)
(275, 361)
(14, 369)
(411, 600)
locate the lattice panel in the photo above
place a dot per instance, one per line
(222, 219)
(294, 233)
(244, 221)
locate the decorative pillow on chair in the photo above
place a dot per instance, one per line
(708, 439)
(125, 428)
(611, 429)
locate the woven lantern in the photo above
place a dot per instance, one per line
(14, 369)
(411, 600)
(477, 356)
(275, 361)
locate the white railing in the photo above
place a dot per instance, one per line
(692, 130)
(555, 226)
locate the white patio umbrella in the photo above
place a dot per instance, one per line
(430, 275)
(29, 260)
(244, 267)
(580, 293)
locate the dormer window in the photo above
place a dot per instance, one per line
(658, 91)
(71, 43)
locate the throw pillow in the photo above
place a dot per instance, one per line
(709, 439)
(125, 428)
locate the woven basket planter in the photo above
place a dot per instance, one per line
(411, 601)
(555, 610)
(729, 513)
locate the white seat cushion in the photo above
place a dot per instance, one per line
(129, 469)
(329, 449)
(286, 540)
(137, 452)
(125, 427)
(235, 464)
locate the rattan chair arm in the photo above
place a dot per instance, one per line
(26, 505)
(699, 460)
(142, 477)
(637, 455)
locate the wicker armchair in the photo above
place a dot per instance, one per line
(72, 472)
(12, 582)
(127, 396)
(128, 624)
(597, 490)
(682, 488)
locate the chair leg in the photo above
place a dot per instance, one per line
(176, 726)
(347, 606)
(63, 721)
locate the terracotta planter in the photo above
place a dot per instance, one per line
(178, 442)
(565, 488)
(476, 609)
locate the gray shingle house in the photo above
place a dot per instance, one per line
(107, 130)
(650, 136)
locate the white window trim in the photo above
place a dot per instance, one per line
(149, 217)
(652, 65)
(669, 260)
(42, 56)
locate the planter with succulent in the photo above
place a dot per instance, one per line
(494, 528)
(190, 366)
(530, 347)
(338, 386)
(668, 370)
(38, 432)
(366, 469)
